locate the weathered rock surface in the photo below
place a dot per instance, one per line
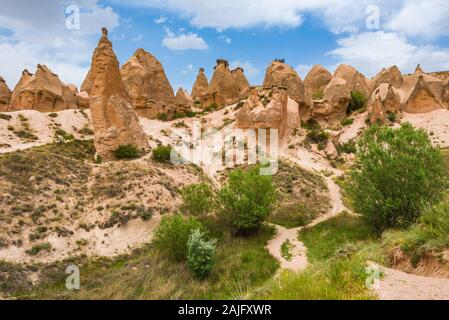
(200, 86)
(419, 69)
(317, 80)
(184, 102)
(222, 89)
(391, 75)
(385, 99)
(422, 98)
(241, 82)
(147, 85)
(114, 120)
(281, 74)
(445, 94)
(5, 95)
(43, 91)
(333, 107)
(264, 109)
(354, 79)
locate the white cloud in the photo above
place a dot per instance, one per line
(225, 39)
(249, 69)
(188, 69)
(160, 20)
(428, 18)
(369, 52)
(303, 70)
(38, 34)
(183, 41)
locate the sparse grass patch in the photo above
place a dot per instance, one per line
(286, 248)
(6, 117)
(35, 250)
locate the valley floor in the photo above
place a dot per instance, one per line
(320, 251)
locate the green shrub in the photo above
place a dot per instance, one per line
(63, 135)
(347, 122)
(318, 137)
(190, 114)
(212, 107)
(435, 220)
(127, 151)
(358, 101)
(38, 248)
(247, 199)
(396, 172)
(162, 116)
(347, 147)
(162, 153)
(53, 115)
(179, 115)
(200, 253)
(312, 124)
(172, 234)
(198, 199)
(391, 116)
(318, 95)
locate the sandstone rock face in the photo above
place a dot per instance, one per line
(422, 98)
(332, 109)
(385, 99)
(241, 82)
(222, 90)
(317, 79)
(445, 94)
(281, 74)
(43, 92)
(5, 95)
(200, 86)
(264, 109)
(147, 85)
(82, 99)
(184, 102)
(391, 75)
(114, 120)
(419, 69)
(354, 79)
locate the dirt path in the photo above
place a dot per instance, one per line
(298, 251)
(398, 285)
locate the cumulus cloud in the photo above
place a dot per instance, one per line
(183, 41)
(37, 33)
(370, 51)
(428, 18)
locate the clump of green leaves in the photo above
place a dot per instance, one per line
(200, 253)
(172, 235)
(397, 171)
(127, 151)
(247, 199)
(358, 101)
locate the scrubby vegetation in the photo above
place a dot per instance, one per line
(199, 199)
(397, 171)
(127, 151)
(247, 199)
(200, 253)
(162, 154)
(357, 102)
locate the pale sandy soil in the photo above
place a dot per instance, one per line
(436, 123)
(398, 285)
(42, 126)
(353, 131)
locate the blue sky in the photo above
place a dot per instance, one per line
(187, 34)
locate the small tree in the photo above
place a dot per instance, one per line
(200, 253)
(172, 235)
(358, 101)
(198, 199)
(247, 199)
(396, 172)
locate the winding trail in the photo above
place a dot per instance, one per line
(298, 261)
